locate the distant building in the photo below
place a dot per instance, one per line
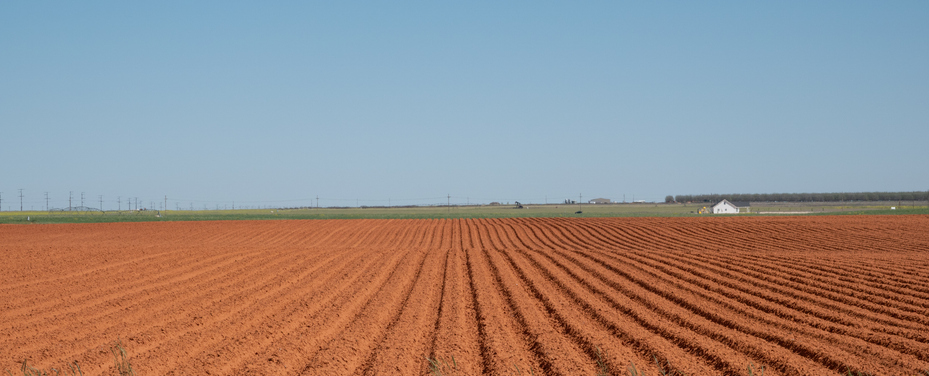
(599, 201)
(727, 207)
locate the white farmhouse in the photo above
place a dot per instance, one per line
(726, 207)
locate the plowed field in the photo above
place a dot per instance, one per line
(707, 296)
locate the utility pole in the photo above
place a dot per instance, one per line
(317, 201)
(166, 202)
(579, 199)
(119, 204)
(20, 199)
(101, 203)
(70, 194)
(46, 201)
(82, 200)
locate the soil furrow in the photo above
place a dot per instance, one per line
(511, 338)
(410, 326)
(814, 300)
(303, 339)
(562, 296)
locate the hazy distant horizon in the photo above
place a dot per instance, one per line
(132, 202)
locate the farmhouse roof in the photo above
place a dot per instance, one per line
(737, 204)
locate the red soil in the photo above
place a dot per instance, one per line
(800, 295)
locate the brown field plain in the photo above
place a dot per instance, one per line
(556, 296)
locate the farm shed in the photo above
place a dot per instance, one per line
(727, 207)
(599, 201)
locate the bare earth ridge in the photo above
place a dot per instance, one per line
(709, 296)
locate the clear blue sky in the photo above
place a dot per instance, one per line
(272, 104)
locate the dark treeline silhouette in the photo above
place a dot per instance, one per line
(806, 197)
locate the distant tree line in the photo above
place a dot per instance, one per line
(805, 197)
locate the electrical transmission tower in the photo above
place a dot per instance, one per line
(20, 199)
